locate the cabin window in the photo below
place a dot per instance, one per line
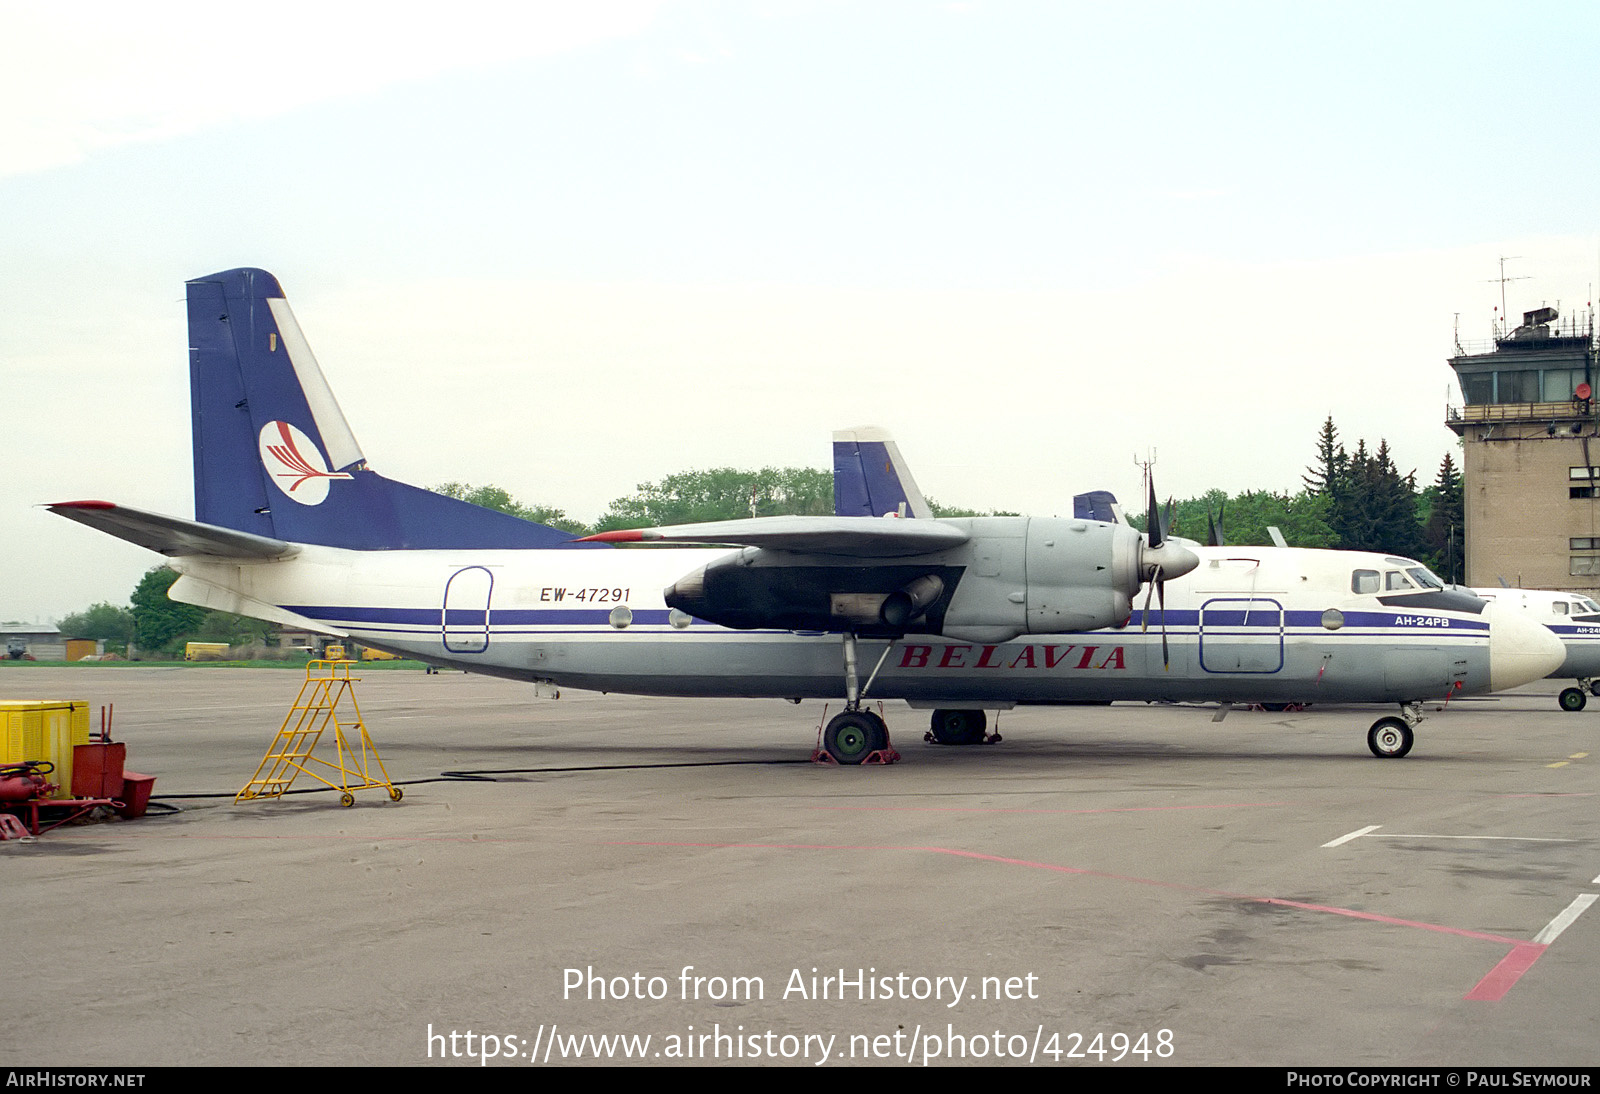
(1364, 581)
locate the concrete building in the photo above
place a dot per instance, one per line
(1531, 455)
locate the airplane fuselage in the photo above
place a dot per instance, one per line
(1249, 625)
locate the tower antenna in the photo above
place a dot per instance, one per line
(1503, 279)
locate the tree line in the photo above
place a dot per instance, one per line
(1353, 501)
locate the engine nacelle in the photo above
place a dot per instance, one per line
(1015, 575)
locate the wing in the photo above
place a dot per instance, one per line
(863, 537)
(171, 535)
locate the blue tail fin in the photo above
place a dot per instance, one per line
(871, 479)
(273, 454)
(1097, 505)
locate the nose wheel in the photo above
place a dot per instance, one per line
(1573, 699)
(1390, 738)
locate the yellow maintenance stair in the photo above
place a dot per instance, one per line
(327, 699)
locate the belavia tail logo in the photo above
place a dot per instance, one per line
(295, 465)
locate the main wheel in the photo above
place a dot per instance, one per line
(854, 735)
(1573, 699)
(959, 727)
(1390, 738)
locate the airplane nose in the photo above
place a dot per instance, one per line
(1520, 650)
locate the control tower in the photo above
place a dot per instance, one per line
(1531, 454)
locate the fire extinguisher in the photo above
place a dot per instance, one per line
(25, 781)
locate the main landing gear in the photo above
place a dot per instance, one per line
(856, 736)
(959, 727)
(1392, 738)
(1575, 698)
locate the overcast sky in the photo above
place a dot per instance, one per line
(567, 248)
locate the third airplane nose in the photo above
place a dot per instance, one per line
(1520, 650)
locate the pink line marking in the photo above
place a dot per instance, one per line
(1053, 812)
(1493, 986)
(1503, 976)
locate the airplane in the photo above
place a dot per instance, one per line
(292, 526)
(1575, 620)
(1267, 625)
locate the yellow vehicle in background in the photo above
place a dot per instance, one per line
(368, 654)
(205, 651)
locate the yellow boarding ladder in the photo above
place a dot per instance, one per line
(328, 684)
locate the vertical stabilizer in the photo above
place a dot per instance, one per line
(1097, 505)
(870, 477)
(273, 454)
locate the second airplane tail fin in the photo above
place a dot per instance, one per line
(871, 479)
(1097, 505)
(273, 454)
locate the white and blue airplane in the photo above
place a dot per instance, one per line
(1270, 625)
(1575, 620)
(291, 526)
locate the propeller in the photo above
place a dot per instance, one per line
(1214, 536)
(1158, 557)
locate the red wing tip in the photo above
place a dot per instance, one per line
(632, 535)
(81, 505)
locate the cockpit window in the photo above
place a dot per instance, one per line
(1560, 607)
(1425, 577)
(1589, 606)
(1364, 581)
(1394, 579)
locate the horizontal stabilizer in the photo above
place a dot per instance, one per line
(171, 535)
(868, 537)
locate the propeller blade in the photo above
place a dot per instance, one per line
(1214, 537)
(1161, 592)
(1152, 521)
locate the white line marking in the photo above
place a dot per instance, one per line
(1553, 929)
(1357, 834)
(1517, 839)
